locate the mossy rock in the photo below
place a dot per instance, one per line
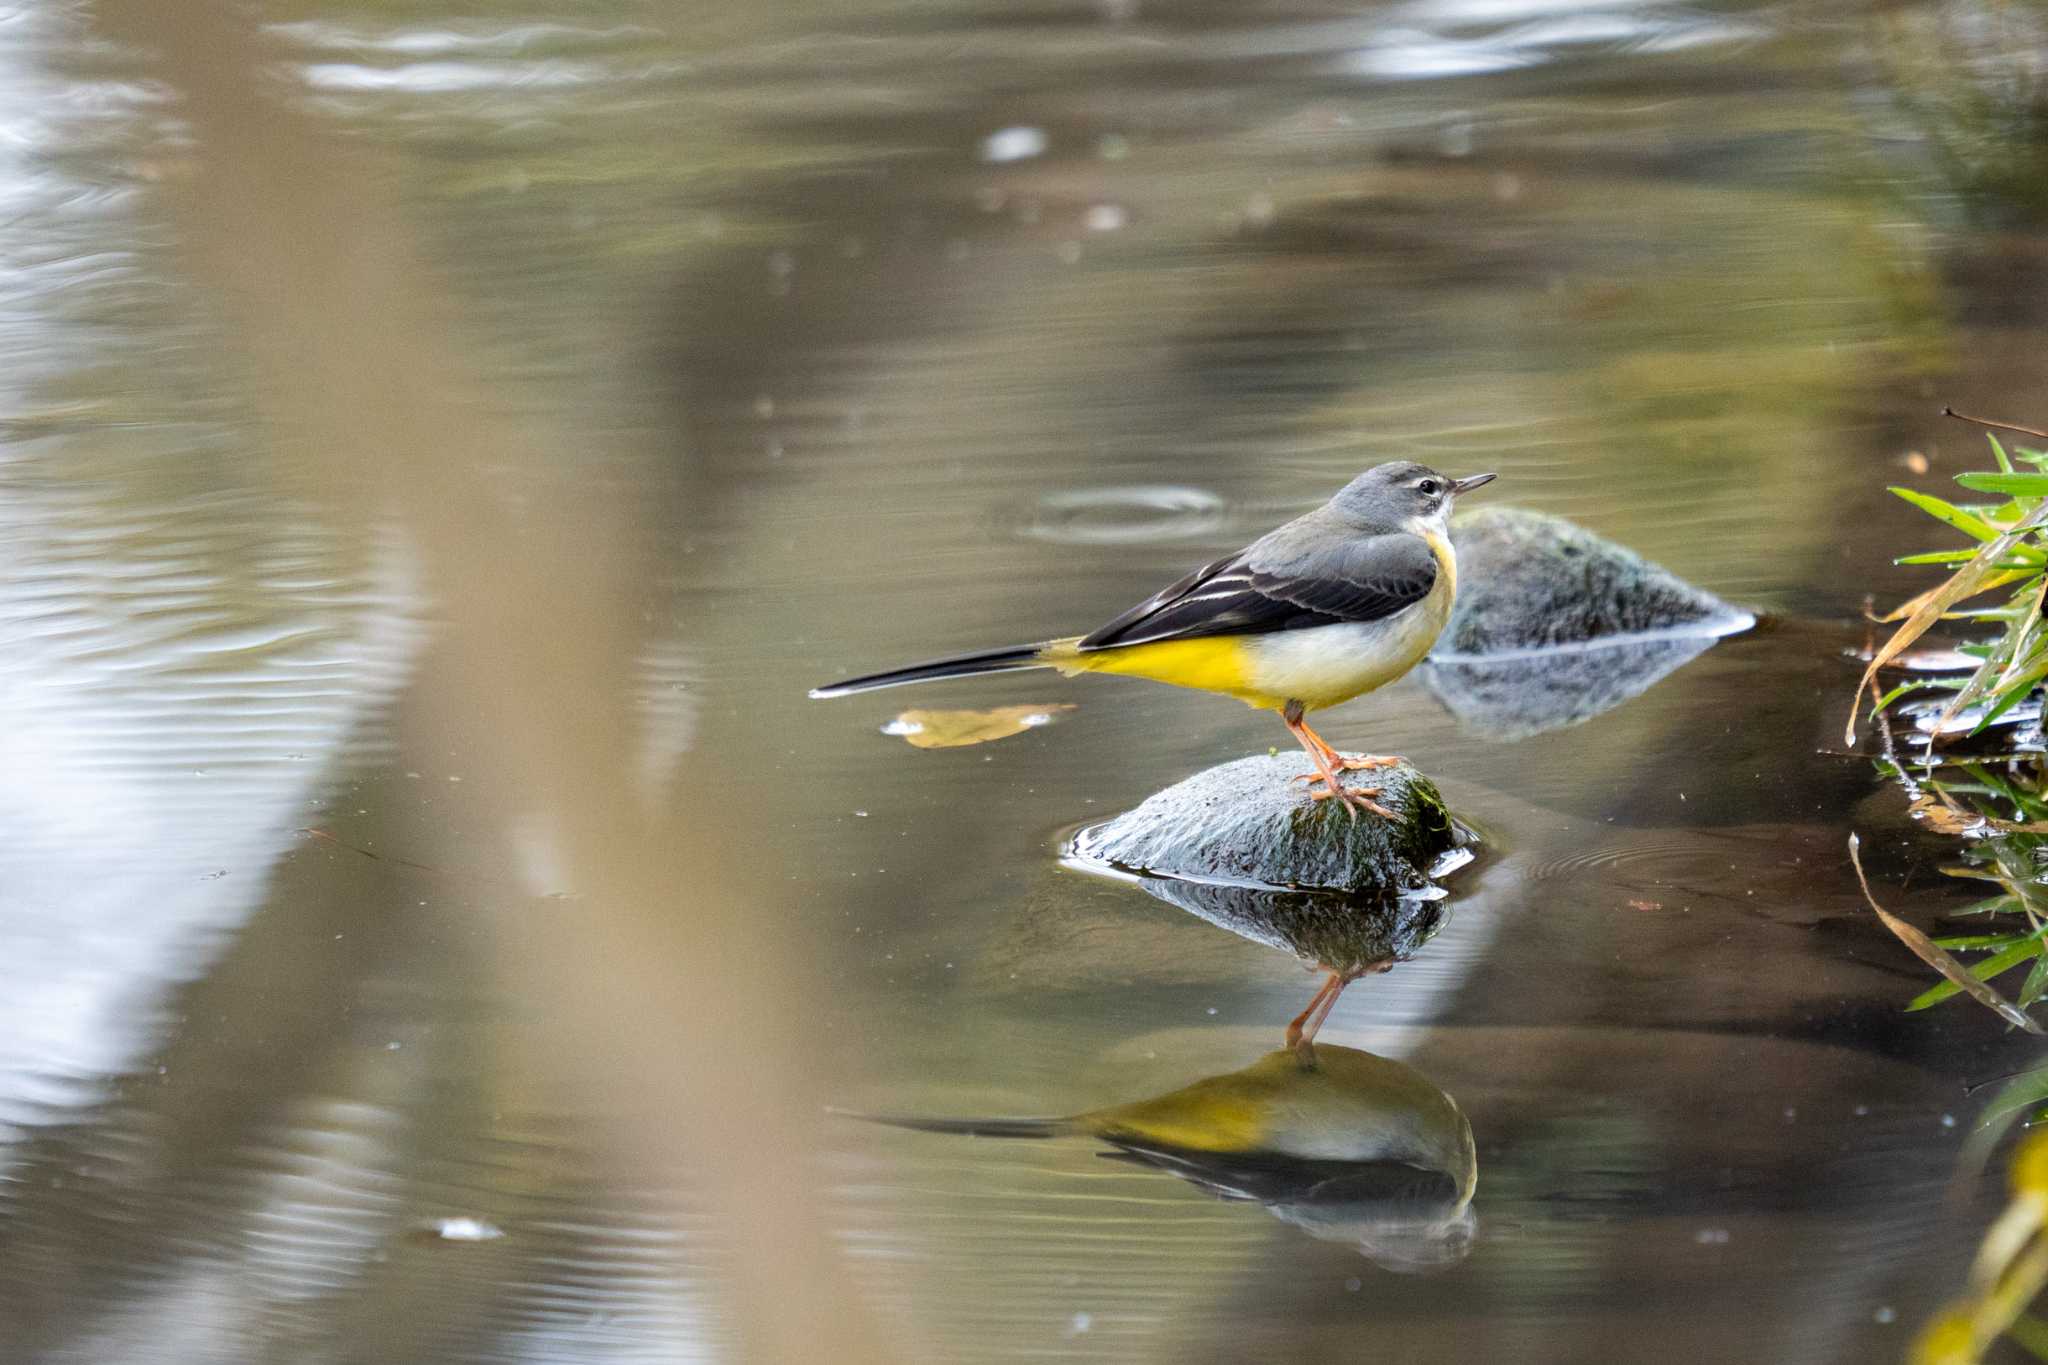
(1250, 822)
(1530, 581)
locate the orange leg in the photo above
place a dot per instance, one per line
(1329, 763)
(1301, 1031)
(1341, 762)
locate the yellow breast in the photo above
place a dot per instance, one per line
(1446, 565)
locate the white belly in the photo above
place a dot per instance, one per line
(1325, 665)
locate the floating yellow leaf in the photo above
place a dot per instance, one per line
(953, 729)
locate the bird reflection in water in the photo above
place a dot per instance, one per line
(1343, 1144)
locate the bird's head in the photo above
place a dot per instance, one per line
(1402, 495)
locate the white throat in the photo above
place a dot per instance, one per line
(1436, 524)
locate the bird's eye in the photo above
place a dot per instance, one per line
(1429, 488)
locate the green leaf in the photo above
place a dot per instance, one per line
(1969, 523)
(2012, 693)
(1958, 556)
(1954, 941)
(2009, 511)
(1983, 971)
(2036, 982)
(2005, 485)
(1908, 687)
(2004, 462)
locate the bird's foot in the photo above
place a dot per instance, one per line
(1355, 799)
(1348, 763)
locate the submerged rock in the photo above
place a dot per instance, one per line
(1250, 822)
(1555, 625)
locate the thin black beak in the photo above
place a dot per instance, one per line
(1470, 482)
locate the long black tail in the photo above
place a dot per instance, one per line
(996, 1128)
(959, 666)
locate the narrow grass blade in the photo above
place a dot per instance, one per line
(2006, 485)
(1969, 523)
(1997, 580)
(1924, 948)
(1905, 689)
(1953, 941)
(1967, 581)
(2036, 983)
(1961, 556)
(1982, 971)
(2012, 692)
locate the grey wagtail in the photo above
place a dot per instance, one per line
(1334, 604)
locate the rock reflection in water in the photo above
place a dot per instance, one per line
(1345, 1145)
(1524, 694)
(1341, 933)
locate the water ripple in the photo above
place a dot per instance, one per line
(172, 705)
(1122, 516)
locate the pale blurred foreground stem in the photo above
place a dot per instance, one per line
(2011, 1269)
(652, 983)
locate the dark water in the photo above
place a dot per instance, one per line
(913, 328)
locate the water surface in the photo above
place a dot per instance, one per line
(914, 328)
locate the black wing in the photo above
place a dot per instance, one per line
(1388, 1186)
(1271, 587)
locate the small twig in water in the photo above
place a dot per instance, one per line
(343, 843)
(1996, 426)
